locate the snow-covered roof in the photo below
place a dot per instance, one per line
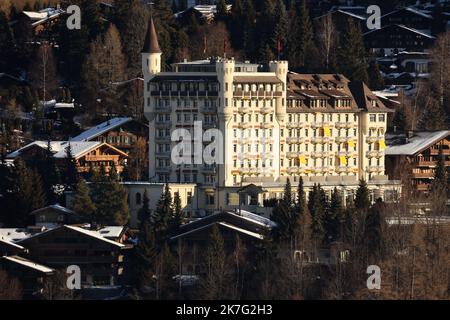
(403, 27)
(56, 207)
(43, 15)
(111, 231)
(224, 224)
(255, 218)
(94, 234)
(419, 142)
(29, 264)
(59, 147)
(13, 234)
(100, 129)
(61, 105)
(10, 242)
(412, 10)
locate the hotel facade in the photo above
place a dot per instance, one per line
(272, 124)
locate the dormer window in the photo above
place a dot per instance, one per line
(374, 103)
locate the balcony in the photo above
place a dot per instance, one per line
(340, 125)
(244, 109)
(292, 170)
(375, 154)
(244, 125)
(208, 109)
(293, 124)
(163, 122)
(162, 138)
(163, 153)
(341, 169)
(266, 125)
(292, 139)
(292, 154)
(208, 168)
(266, 110)
(163, 109)
(375, 168)
(372, 139)
(423, 175)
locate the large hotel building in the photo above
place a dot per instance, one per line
(275, 124)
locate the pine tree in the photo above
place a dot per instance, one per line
(71, 172)
(301, 42)
(362, 199)
(104, 65)
(131, 20)
(352, 54)
(24, 194)
(376, 81)
(287, 196)
(74, 44)
(177, 211)
(266, 26)
(373, 231)
(82, 203)
(334, 217)
(144, 213)
(110, 198)
(317, 207)
(163, 214)
(145, 256)
(283, 215)
(440, 181)
(6, 44)
(281, 26)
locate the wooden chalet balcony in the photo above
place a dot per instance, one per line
(101, 158)
(422, 175)
(422, 186)
(445, 152)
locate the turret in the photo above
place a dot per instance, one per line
(151, 53)
(281, 69)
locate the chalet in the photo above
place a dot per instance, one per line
(340, 16)
(395, 38)
(121, 133)
(417, 19)
(416, 156)
(30, 273)
(41, 20)
(55, 215)
(8, 247)
(251, 229)
(100, 259)
(204, 13)
(87, 154)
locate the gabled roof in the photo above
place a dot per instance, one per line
(90, 233)
(79, 148)
(364, 97)
(243, 222)
(411, 10)
(56, 207)
(400, 26)
(396, 144)
(100, 129)
(9, 242)
(29, 264)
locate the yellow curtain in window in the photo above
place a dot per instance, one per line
(326, 131)
(343, 160)
(351, 143)
(302, 159)
(382, 144)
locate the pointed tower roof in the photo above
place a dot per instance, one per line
(151, 44)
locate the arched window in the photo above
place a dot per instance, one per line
(138, 198)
